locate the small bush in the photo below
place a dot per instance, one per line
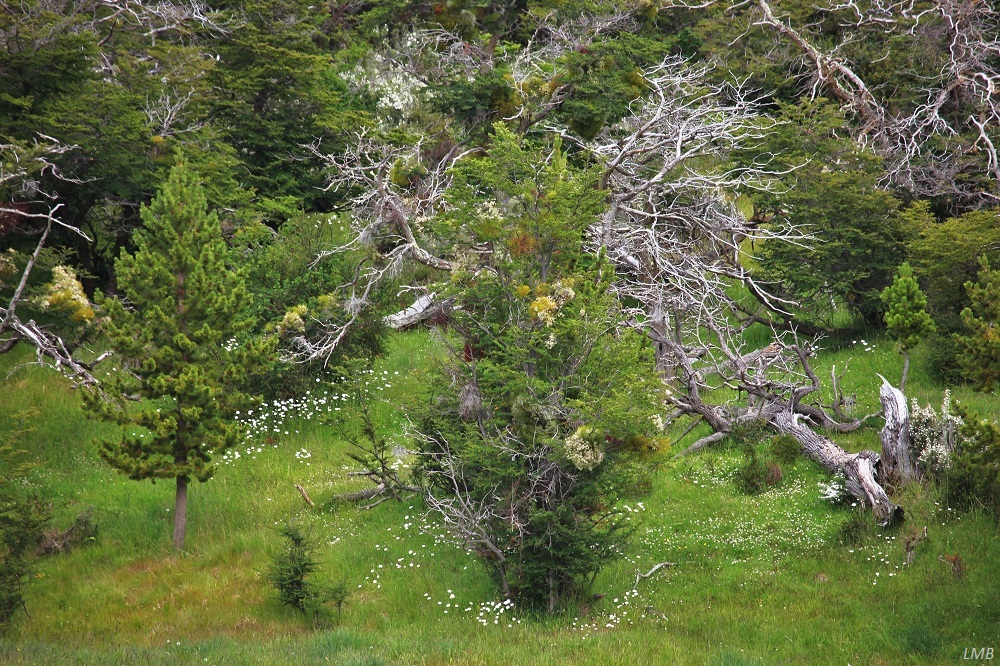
(291, 575)
(942, 358)
(855, 529)
(752, 475)
(748, 434)
(934, 436)
(785, 448)
(23, 517)
(973, 477)
(82, 532)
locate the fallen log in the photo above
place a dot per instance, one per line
(859, 469)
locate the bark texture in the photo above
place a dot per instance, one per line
(180, 512)
(896, 459)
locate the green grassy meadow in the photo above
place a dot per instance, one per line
(759, 579)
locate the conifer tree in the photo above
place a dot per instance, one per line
(980, 349)
(182, 328)
(906, 315)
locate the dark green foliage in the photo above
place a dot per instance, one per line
(290, 568)
(292, 575)
(785, 448)
(185, 333)
(540, 412)
(763, 454)
(23, 517)
(276, 91)
(748, 434)
(752, 476)
(479, 102)
(972, 480)
(856, 529)
(942, 358)
(980, 344)
(604, 78)
(857, 227)
(945, 256)
(280, 275)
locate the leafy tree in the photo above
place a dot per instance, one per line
(906, 317)
(980, 347)
(295, 297)
(831, 192)
(945, 255)
(183, 333)
(533, 433)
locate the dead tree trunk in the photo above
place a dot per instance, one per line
(859, 469)
(896, 462)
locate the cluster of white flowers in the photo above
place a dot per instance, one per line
(584, 455)
(397, 90)
(835, 491)
(562, 290)
(933, 436)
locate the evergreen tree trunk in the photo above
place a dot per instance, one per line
(906, 370)
(180, 512)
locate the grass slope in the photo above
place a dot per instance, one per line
(756, 580)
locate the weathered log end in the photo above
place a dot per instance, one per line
(897, 464)
(860, 472)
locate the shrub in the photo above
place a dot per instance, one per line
(856, 528)
(785, 448)
(752, 476)
(973, 477)
(749, 433)
(83, 531)
(942, 358)
(933, 436)
(291, 575)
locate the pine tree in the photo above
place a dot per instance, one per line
(906, 315)
(184, 334)
(980, 349)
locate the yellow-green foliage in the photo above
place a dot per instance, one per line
(66, 293)
(906, 315)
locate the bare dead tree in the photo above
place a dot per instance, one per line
(677, 239)
(23, 202)
(382, 210)
(672, 224)
(942, 140)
